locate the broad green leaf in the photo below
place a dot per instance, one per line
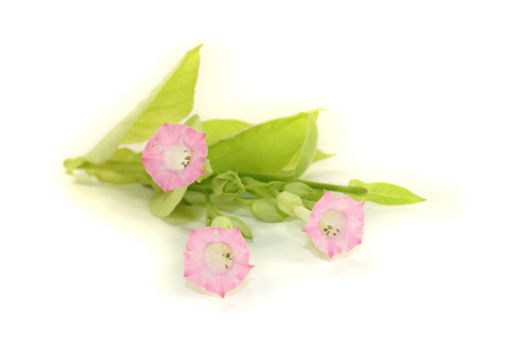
(280, 149)
(169, 103)
(162, 204)
(194, 122)
(384, 193)
(218, 129)
(123, 167)
(304, 156)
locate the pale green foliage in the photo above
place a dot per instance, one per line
(384, 193)
(123, 167)
(194, 122)
(256, 164)
(169, 103)
(218, 129)
(281, 148)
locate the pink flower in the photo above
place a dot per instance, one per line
(175, 156)
(216, 259)
(336, 224)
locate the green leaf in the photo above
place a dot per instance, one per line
(280, 149)
(72, 164)
(169, 103)
(124, 167)
(162, 204)
(266, 210)
(194, 122)
(219, 129)
(384, 193)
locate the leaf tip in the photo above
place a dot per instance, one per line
(70, 164)
(418, 199)
(198, 47)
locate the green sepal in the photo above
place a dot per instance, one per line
(227, 182)
(287, 201)
(232, 222)
(303, 190)
(162, 204)
(266, 210)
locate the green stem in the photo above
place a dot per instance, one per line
(211, 210)
(337, 188)
(199, 188)
(263, 181)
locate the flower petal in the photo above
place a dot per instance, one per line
(336, 224)
(174, 157)
(216, 259)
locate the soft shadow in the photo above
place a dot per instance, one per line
(194, 288)
(185, 214)
(310, 247)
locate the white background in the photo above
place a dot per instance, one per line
(426, 94)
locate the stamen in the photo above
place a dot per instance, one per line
(187, 158)
(178, 157)
(332, 223)
(219, 257)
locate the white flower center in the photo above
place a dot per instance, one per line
(332, 223)
(218, 257)
(178, 157)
